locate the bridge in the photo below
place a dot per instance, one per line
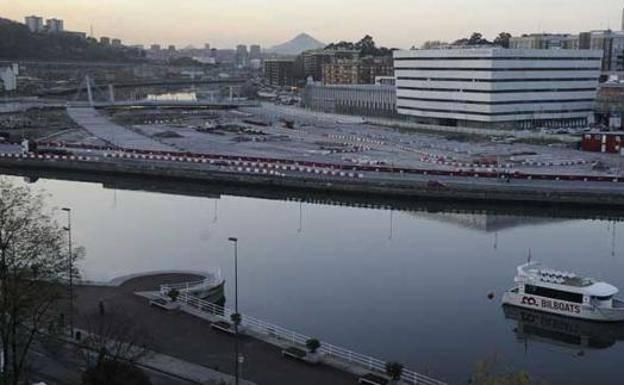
(153, 83)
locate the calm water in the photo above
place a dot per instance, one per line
(404, 286)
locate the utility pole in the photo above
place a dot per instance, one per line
(237, 319)
(71, 271)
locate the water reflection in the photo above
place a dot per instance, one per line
(486, 222)
(574, 335)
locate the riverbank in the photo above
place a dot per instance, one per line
(424, 186)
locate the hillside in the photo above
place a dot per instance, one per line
(302, 42)
(17, 42)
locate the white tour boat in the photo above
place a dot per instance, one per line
(564, 293)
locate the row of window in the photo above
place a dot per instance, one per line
(497, 91)
(489, 69)
(523, 80)
(493, 58)
(584, 110)
(553, 293)
(550, 123)
(491, 103)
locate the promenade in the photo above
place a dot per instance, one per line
(191, 339)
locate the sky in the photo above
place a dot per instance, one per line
(393, 23)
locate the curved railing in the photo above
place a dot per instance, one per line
(211, 279)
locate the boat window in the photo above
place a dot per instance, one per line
(604, 298)
(553, 293)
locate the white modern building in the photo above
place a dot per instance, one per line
(497, 87)
(34, 23)
(8, 77)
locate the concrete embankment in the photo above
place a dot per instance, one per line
(561, 193)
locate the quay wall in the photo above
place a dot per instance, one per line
(393, 188)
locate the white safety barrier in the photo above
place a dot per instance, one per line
(344, 356)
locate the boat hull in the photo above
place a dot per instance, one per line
(563, 308)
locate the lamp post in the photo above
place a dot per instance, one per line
(71, 270)
(237, 319)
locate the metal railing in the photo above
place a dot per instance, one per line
(212, 279)
(198, 306)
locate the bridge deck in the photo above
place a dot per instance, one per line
(98, 125)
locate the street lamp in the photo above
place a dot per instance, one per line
(237, 316)
(71, 270)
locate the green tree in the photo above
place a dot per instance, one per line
(503, 39)
(475, 39)
(33, 272)
(432, 44)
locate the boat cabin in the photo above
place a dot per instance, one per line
(533, 279)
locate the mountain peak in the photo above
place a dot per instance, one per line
(301, 42)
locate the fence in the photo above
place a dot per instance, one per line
(343, 356)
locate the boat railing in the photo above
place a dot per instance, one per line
(343, 356)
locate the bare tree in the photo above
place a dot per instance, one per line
(33, 272)
(113, 336)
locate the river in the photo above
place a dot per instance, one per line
(398, 285)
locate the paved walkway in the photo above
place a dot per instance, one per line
(191, 339)
(100, 126)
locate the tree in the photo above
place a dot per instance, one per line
(475, 39)
(33, 272)
(112, 336)
(503, 39)
(484, 375)
(366, 47)
(433, 44)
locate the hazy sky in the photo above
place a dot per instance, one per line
(396, 23)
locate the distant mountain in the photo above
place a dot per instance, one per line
(302, 42)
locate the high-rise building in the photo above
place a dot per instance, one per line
(105, 40)
(242, 57)
(54, 25)
(171, 48)
(116, 42)
(611, 43)
(207, 46)
(155, 47)
(34, 23)
(497, 87)
(313, 61)
(255, 52)
(280, 72)
(357, 71)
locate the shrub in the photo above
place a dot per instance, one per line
(173, 294)
(313, 344)
(394, 370)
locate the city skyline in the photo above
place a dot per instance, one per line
(400, 23)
